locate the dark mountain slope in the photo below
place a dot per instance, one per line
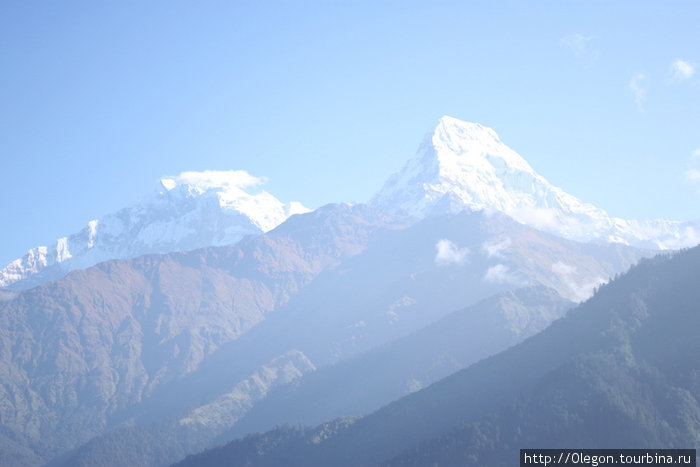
(621, 370)
(85, 352)
(404, 280)
(364, 383)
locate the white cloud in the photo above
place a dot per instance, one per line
(693, 175)
(578, 44)
(239, 179)
(392, 314)
(488, 211)
(540, 218)
(580, 290)
(500, 274)
(688, 237)
(563, 269)
(682, 70)
(402, 302)
(585, 290)
(495, 248)
(359, 324)
(7, 295)
(639, 85)
(448, 252)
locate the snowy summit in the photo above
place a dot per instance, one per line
(188, 211)
(264, 210)
(463, 165)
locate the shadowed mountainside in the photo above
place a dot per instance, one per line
(80, 353)
(189, 342)
(621, 370)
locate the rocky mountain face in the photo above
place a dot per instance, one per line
(189, 211)
(466, 165)
(404, 280)
(144, 359)
(619, 370)
(80, 354)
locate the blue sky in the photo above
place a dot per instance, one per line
(326, 99)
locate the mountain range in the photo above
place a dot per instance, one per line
(459, 165)
(208, 311)
(171, 339)
(79, 353)
(189, 211)
(621, 370)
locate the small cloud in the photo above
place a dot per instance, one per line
(693, 175)
(7, 295)
(500, 274)
(682, 70)
(402, 302)
(496, 248)
(448, 252)
(580, 291)
(217, 179)
(488, 211)
(563, 269)
(688, 237)
(359, 324)
(392, 315)
(639, 85)
(540, 218)
(578, 44)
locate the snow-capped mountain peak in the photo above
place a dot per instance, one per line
(459, 145)
(462, 165)
(465, 165)
(187, 211)
(235, 191)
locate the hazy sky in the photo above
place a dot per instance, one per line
(326, 99)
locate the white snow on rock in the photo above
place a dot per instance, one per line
(188, 211)
(465, 165)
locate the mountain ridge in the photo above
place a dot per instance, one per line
(405, 279)
(135, 341)
(80, 353)
(188, 211)
(619, 370)
(459, 165)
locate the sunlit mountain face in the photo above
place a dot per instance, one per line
(465, 165)
(211, 310)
